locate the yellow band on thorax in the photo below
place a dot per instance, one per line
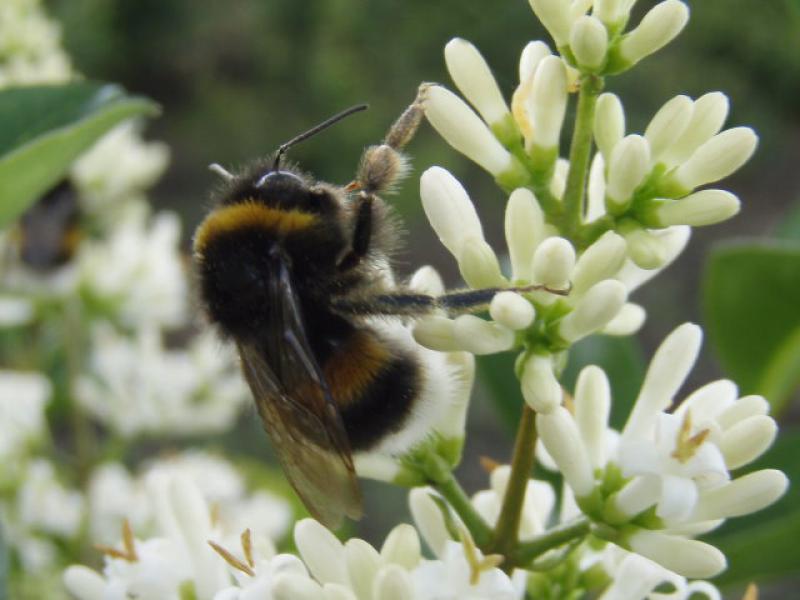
(249, 214)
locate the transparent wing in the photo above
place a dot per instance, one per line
(297, 409)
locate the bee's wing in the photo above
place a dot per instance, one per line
(298, 411)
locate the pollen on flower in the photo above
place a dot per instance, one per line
(128, 552)
(686, 444)
(478, 564)
(246, 568)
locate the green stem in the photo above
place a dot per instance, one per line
(458, 499)
(580, 149)
(82, 433)
(506, 531)
(555, 537)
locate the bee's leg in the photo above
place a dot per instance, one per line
(380, 167)
(410, 304)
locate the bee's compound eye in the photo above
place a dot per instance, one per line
(273, 177)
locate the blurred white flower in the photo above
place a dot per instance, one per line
(136, 272)
(120, 166)
(30, 46)
(138, 386)
(115, 496)
(23, 397)
(44, 504)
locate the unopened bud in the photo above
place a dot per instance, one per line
(658, 28)
(609, 123)
(589, 42)
(512, 310)
(479, 265)
(629, 165)
(553, 262)
(479, 337)
(465, 131)
(473, 77)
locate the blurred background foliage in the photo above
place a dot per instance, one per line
(235, 79)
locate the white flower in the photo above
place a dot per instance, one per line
(44, 504)
(137, 272)
(30, 46)
(138, 386)
(119, 166)
(115, 496)
(23, 397)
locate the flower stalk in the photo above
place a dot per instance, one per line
(506, 532)
(580, 150)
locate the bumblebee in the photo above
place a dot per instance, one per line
(297, 274)
(49, 232)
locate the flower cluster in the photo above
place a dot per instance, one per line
(191, 554)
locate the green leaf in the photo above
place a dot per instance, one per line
(764, 545)
(789, 227)
(44, 128)
(622, 360)
(751, 299)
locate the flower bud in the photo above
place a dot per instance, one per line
(553, 262)
(540, 388)
(594, 310)
(706, 207)
(747, 440)
(524, 225)
(690, 558)
(637, 495)
(479, 265)
(658, 27)
(747, 494)
(561, 437)
(465, 131)
(427, 280)
(708, 115)
(592, 408)
(589, 42)
(672, 241)
(472, 76)
(645, 249)
(436, 333)
(599, 261)
(558, 183)
(629, 165)
(512, 310)
(717, 158)
(532, 55)
(608, 11)
(609, 123)
(668, 125)
(596, 191)
(449, 209)
(555, 16)
(547, 103)
(479, 337)
(628, 321)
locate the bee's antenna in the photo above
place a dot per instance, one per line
(220, 170)
(315, 130)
